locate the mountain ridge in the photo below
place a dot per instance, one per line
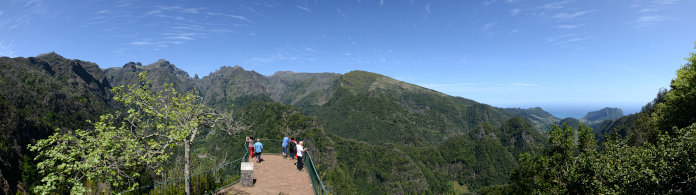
(308, 91)
(49, 91)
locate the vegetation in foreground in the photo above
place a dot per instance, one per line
(655, 153)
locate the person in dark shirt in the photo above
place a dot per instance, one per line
(291, 147)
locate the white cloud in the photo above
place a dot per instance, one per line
(650, 21)
(138, 43)
(182, 36)
(381, 2)
(164, 43)
(192, 10)
(565, 38)
(665, 2)
(573, 40)
(153, 12)
(652, 13)
(229, 15)
(7, 50)
(161, 10)
(487, 27)
(515, 11)
(571, 15)
(341, 12)
(645, 10)
(427, 8)
(304, 9)
(554, 5)
(567, 26)
(239, 17)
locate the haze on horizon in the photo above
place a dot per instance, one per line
(559, 55)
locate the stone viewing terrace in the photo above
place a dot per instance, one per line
(274, 175)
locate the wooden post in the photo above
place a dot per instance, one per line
(247, 177)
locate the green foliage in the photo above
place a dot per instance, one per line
(679, 107)
(456, 188)
(562, 167)
(30, 176)
(275, 120)
(115, 149)
(651, 152)
(572, 165)
(31, 89)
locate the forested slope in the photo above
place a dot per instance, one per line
(482, 157)
(364, 126)
(651, 152)
(38, 95)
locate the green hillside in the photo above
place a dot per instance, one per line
(650, 152)
(602, 115)
(38, 95)
(373, 133)
(359, 105)
(482, 157)
(378, 109)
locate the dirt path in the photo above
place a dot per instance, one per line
(275, 175)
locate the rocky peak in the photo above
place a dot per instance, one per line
(50, 55)
(132, 66)
(162, 63)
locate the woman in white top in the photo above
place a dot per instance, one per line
(300, 150)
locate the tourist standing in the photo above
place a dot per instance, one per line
(250, 140)
(285, 146)
(258, 147)
(291, 147)
(300, 150)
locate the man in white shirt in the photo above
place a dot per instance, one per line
(300, 151)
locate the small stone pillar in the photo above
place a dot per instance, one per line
(247, 177)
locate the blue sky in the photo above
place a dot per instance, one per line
(560, 55)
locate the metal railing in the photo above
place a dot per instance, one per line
(222, 176)
(314, 176)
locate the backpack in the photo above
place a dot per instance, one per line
(291, 147)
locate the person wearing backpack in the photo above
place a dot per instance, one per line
(291, 148)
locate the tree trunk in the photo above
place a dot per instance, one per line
(187, 164)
